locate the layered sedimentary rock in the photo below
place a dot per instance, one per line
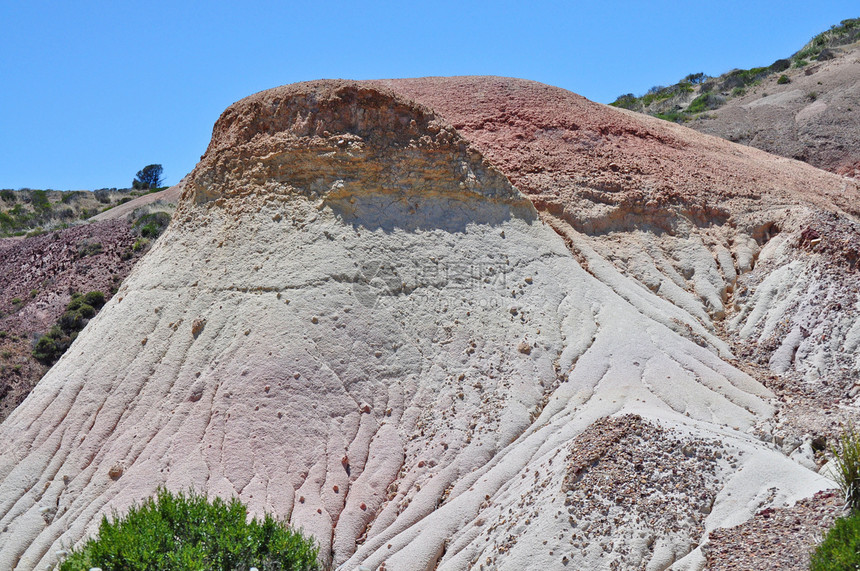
(443, 323)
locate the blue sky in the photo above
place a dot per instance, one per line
(90, 92)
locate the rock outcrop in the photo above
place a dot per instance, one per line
(444, 323)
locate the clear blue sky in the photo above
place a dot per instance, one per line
(90, 92)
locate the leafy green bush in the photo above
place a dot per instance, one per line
(783, 79)
(186, 532)
(840, 550)
(8, 195)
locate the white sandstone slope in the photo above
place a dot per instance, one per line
(356, 322)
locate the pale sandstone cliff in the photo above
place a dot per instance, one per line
(399, 314)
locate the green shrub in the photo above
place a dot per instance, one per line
(627, 101)
(95, 298)
(8, 195)
(39, 200)
(7, 222)
(800, 63)
(151, 225)
(86, 311)
(840, 550)
(71, 321)
(51, 346)
(77, 301)
(70, 196)
(185, 532)
(780, 65)
(673, 116)
(87, 248)
(102, 195)
(783, 79)
(847, 458)
(49, 350)
(704, 102)
(738, 91)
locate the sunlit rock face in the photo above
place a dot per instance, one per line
(403, 333)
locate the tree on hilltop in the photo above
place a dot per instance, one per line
(148, 177)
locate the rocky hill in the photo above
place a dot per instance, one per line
(805, 107)
(464, 323)
(40, 273)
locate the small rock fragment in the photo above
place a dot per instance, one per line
(116, 471)
(197, 326)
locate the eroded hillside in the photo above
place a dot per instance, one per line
(444, 323)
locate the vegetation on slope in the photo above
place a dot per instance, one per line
(32, 211)
(697, 93)
(34, 298)
(840, 549)
(186, 532)
(51, 346)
